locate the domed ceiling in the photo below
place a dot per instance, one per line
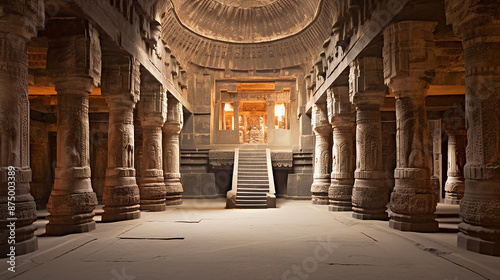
(244, 21)
(247, 34)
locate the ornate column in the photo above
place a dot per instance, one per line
(171, 152)
(322, 155)
(152, 113)
(121, 87)
(341, 117)
(408, 62)
(367, 92)
(435, 155)
(454, 126)
(478, 24)
(18, 24)
(74, 60)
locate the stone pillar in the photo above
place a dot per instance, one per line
(18, 24)
(367, 92)
(454, 126)
(152, 113)
(389, 151)
(74, 60)
(408, 64)
(270, 121)
(341, 117)
(171, 152)
(121, 87)
(478, 24)
(435, 154)
(322, 155)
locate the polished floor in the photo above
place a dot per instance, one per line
(297, 240)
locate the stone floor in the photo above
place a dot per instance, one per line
(297, 240)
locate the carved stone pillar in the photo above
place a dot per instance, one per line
(478, 24)
(74, 60)
(435, 155)
(322, 155)
(171, 152)
(152, 113)
(367, 92)
(454, 126)
(341, 117)
(18, 24)
(121, 87)
(408, 62)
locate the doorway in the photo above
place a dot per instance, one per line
(252, 122)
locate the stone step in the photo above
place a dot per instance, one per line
(255, 189)
(251, 201)
(253, 206)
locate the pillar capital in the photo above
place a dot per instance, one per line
(340, 108)
(366, 82)
(121, 77)
(409, 54)
(74, 50)
(473, 19)
(153, 105)
(23, 18)
(319, 119)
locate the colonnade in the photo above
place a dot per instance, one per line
(77, 64)
(407, 69)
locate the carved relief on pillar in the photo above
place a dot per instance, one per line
(121, 87)
(322, 156)
(367, 92)
(341, 117)
(171, 152)
(408, 67)
(478, 24)
(20, 21)
(74, 61)
(152, 112)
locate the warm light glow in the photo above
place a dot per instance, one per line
(228, 107)
(279, 111)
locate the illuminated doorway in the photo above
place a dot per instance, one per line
(252, 122)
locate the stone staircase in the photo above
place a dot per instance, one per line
(253, 183)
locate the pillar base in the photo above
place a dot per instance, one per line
(415, 227)
(451, 201)
(371, 216)
(153, 207)
(22, 248)
(478, 245)
(172, 200)
(68, 229)
(320, 200)
(336, 208)
(113, 217)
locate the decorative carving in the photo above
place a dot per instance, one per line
(477, 23)
(342, 119)
(367, 91)
(221, 158)
(408, 67)
(20, 21)
(282, 159)
(120, 86)
(152, 114)
(171, 152)
(322, 155)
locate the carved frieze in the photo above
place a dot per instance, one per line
(282, 159)
(221, 158)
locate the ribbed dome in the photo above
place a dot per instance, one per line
(246, 21)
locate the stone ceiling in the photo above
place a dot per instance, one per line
(246, 21)
(247, 34)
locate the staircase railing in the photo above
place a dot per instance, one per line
(234, 186)
(272, 189)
